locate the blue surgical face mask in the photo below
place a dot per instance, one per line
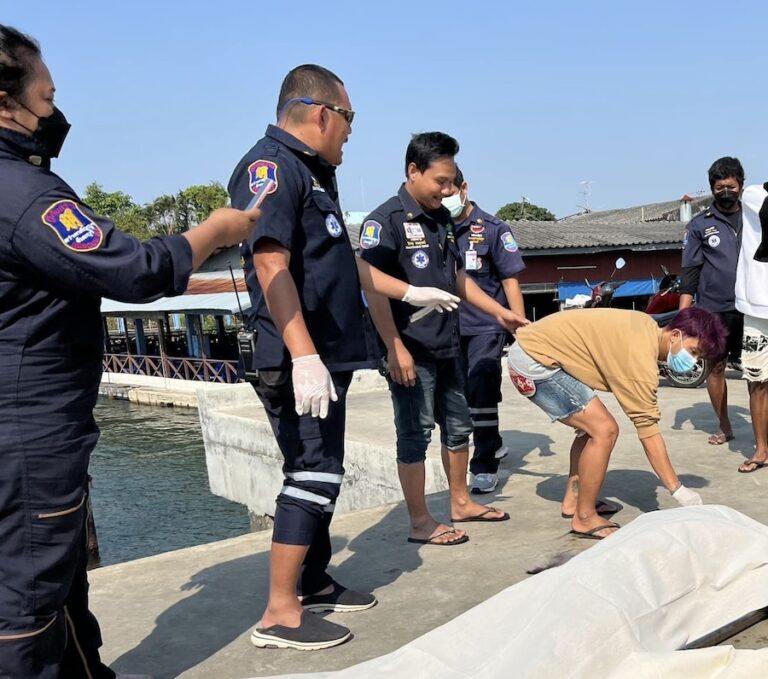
(682, 361)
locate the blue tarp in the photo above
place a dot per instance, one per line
(645, 286)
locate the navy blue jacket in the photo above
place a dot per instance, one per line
(498, 257)
(403, 240)
(711, 245)
(302, 214)
(57, 259)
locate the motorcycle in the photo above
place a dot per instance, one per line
(602, 293)
(663, 307)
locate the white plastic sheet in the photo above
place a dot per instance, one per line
(662, 581)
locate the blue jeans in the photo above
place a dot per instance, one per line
(438, 397)
(562, 395)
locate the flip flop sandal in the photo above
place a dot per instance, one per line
(482, 517)
(590, 534)
(431, 541)
(719, 439)
(757, 465)
(601, 507)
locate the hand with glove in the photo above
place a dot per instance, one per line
(433, 298)
(687, 497)
(312, 386)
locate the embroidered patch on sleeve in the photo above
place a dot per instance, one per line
(370, 234)
(74, 228)
(508, 241)
(259, 171)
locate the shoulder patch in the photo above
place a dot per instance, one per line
(508, 241)
(370, 234)
(74, 228)
(259, 171)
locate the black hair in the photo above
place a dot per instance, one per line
(308, 80)
(427, 147)
(725, 168)
(458, 180)
(15, 63)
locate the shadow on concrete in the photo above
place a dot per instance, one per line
(523, 443)
(702, 417)
(629, 486)
(380, 555)
(238, 587)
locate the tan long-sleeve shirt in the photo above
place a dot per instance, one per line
(608, 350)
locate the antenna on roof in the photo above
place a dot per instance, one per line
(586, 191)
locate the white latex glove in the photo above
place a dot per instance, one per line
(687, 497)
(431, 297)
(312, 386)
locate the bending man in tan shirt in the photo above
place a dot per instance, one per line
(558, 361)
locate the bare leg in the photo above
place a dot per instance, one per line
(718, 395)
(284, 607)
(423, 525)
(462, 505)
(758, 409)
(572, 489)
(602, 431)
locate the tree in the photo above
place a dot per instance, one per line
(527, 211)
(167, 215)
(120, 208)
(202, 199)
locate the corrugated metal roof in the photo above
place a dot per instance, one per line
(582, 234)
(214, 304)
(668, 211)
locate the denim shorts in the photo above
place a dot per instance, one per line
(561, 395)
(438, 397)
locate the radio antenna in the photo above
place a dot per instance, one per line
(237, 295)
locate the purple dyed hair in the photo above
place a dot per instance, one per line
(703, 325)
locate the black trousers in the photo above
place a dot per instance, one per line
(47, 434)
(481, 355)
(313, 454)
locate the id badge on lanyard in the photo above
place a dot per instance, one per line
(470, 259)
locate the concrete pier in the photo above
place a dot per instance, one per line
(188, 613)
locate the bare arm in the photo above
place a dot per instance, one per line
(399, 359)
(469, 290)
(686, 300)
(225, 226)
(514, 295)
(271, 261)
(656, 452)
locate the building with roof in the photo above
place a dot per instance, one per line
(193, 336)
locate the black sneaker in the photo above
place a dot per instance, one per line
(341, 600)
(312, 634)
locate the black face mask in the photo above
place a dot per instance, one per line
(51, 131)
(726, 199)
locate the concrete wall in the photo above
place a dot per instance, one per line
(245, 464)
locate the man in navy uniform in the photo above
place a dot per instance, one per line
(492, 259)
(312, 332)
(411, 237)
(710, 256)
(57, 259)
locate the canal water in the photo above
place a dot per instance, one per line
(150, 486)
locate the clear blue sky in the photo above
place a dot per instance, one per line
(638, 98)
